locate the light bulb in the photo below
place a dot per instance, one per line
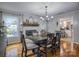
(52, 17)
(47, 16)
(41, 18)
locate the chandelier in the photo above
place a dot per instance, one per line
(46, 18)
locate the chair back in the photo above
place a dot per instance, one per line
(22, 38)
(58, 37)
(50, 37)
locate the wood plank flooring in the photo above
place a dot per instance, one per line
(65, 50)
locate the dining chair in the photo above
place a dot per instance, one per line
(48, 45)
(56, 42)
(58, 37)
(29, 46)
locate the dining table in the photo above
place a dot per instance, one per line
(33, 42)
(38, 39)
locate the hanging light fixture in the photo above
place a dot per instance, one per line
(47, 18)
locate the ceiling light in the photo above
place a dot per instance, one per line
(46, 15)
(52, 17)
(41, 18)
(48, 19)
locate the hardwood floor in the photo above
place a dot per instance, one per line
(66, 49)
(19, 49)
(69, 50)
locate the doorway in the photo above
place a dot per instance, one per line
(67, 34)
(66, 27)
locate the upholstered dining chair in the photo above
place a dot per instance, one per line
(48, 44)
(58, 37)
(29, 46)
(56, 41)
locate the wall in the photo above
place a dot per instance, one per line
(74, 15)
(76, 27)
(52, 27)
(1, 39)
(22, 18)
(35, 18)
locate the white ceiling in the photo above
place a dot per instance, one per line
(37, 8)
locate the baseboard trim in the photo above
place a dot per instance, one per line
(70, 41)
(13, 43)
(76, 42)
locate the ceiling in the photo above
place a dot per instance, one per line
(38, 8)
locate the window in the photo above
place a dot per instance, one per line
(11, 23)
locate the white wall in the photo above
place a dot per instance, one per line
(76, 27)
(52, 27)
(35, 18)
(75, 15)
(21, 19)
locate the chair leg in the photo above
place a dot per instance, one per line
(55, 52)
(22, 51)
(52, 52)
(46, 51)
(25, 53)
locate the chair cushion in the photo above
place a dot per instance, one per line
(30, 44)
(49, 45)
(29, 41)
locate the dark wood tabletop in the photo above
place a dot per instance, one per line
(38, 39)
